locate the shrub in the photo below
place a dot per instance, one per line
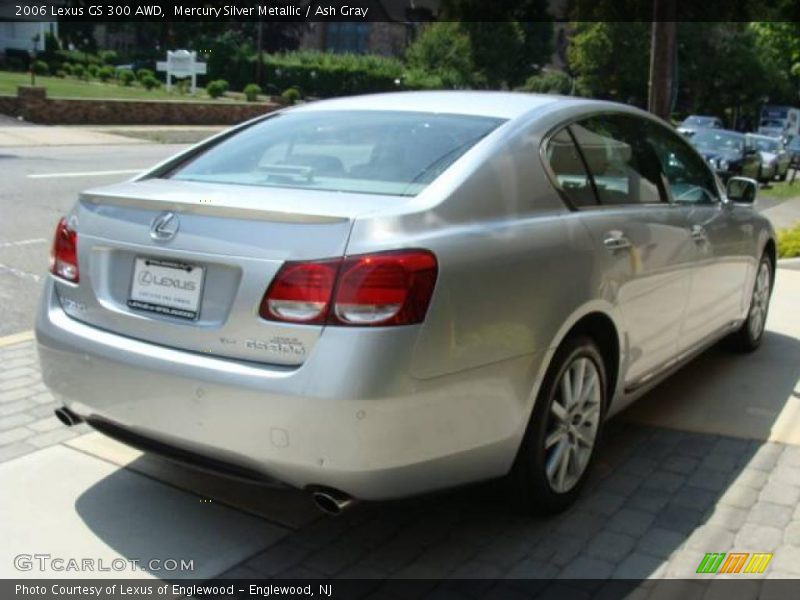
(40, 68)
(61, 74)
(125, 76)
(443, 50)
(105, 73)
(150, 82)
(92, 71)
(553, 82)
(217, 88)
(291, 95)
(79, 71)
(107, 57)
(67, 68)
(143, 74)
(789, 242)
(251, 92)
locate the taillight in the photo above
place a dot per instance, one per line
(64, 253)
(391, 288)
(385, 288)
(300, 292)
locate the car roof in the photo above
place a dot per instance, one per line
(503, 105)
(726, 131)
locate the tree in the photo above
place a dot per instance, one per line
(510, 39)
(610, 60)
(443, 50)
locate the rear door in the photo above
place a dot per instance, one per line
(642, 242)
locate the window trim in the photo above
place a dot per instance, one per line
(567, 123)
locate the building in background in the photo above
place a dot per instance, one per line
(23, 36)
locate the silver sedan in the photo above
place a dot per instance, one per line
(380, 296)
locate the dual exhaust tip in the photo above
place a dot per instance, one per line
(67, 417)
(331, 502)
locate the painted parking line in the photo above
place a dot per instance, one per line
(83, 174)
(20, 273)
(23, 243)
(16, 338)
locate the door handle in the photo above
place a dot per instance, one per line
(616, 241)
(698, 234)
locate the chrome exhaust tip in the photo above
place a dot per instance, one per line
(67, 417)
(332, 502)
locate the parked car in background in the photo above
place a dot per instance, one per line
(773, 156)
(779, 121)
(378, 296)
(692, 123)
(727, 153)
(793, 148)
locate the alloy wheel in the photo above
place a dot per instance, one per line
(573, 424)
(760, 301)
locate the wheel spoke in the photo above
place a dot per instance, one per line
(589, 387)
(554, 438)
(582, 438)
(559, 412)
(577, 382)
(554, 460)
(566, 389)
(563, 467)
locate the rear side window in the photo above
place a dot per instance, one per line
(369, 151)
(567, 165)
(625, 168)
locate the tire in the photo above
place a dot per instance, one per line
(748, 337)
(541, 483)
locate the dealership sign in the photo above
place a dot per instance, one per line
(181, 64)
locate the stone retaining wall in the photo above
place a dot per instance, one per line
(32, 104)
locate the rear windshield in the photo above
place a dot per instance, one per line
(373, 152)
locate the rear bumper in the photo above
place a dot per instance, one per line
(349, 418)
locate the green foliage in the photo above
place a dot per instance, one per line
(291, 95)
(510, 39)
(92, 71)
(553, 82)
(40, 68)
(51, 44)
(442, 52)
(251, 92)
(61, 74)
(149, 82)
(327, 74)
(125, 76)
(611, 60)
(79, 71)
(105, 73)
(217, 88)
(789, 242)
(143, 74)
(67, 68)
(108, 57)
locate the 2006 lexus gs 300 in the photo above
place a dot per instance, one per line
(379, 296)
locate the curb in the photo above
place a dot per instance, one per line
(789, 263)
(16, 338)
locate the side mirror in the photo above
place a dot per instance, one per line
(741, 190)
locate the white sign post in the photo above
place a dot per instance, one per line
(181, 64)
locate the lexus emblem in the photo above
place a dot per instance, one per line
(164, 227)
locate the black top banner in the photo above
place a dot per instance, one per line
(400, 11)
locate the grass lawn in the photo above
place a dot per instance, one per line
(75, 88)
(781, 190)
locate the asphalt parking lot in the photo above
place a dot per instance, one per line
(708, 462)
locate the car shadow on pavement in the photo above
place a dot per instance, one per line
(689, 471)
